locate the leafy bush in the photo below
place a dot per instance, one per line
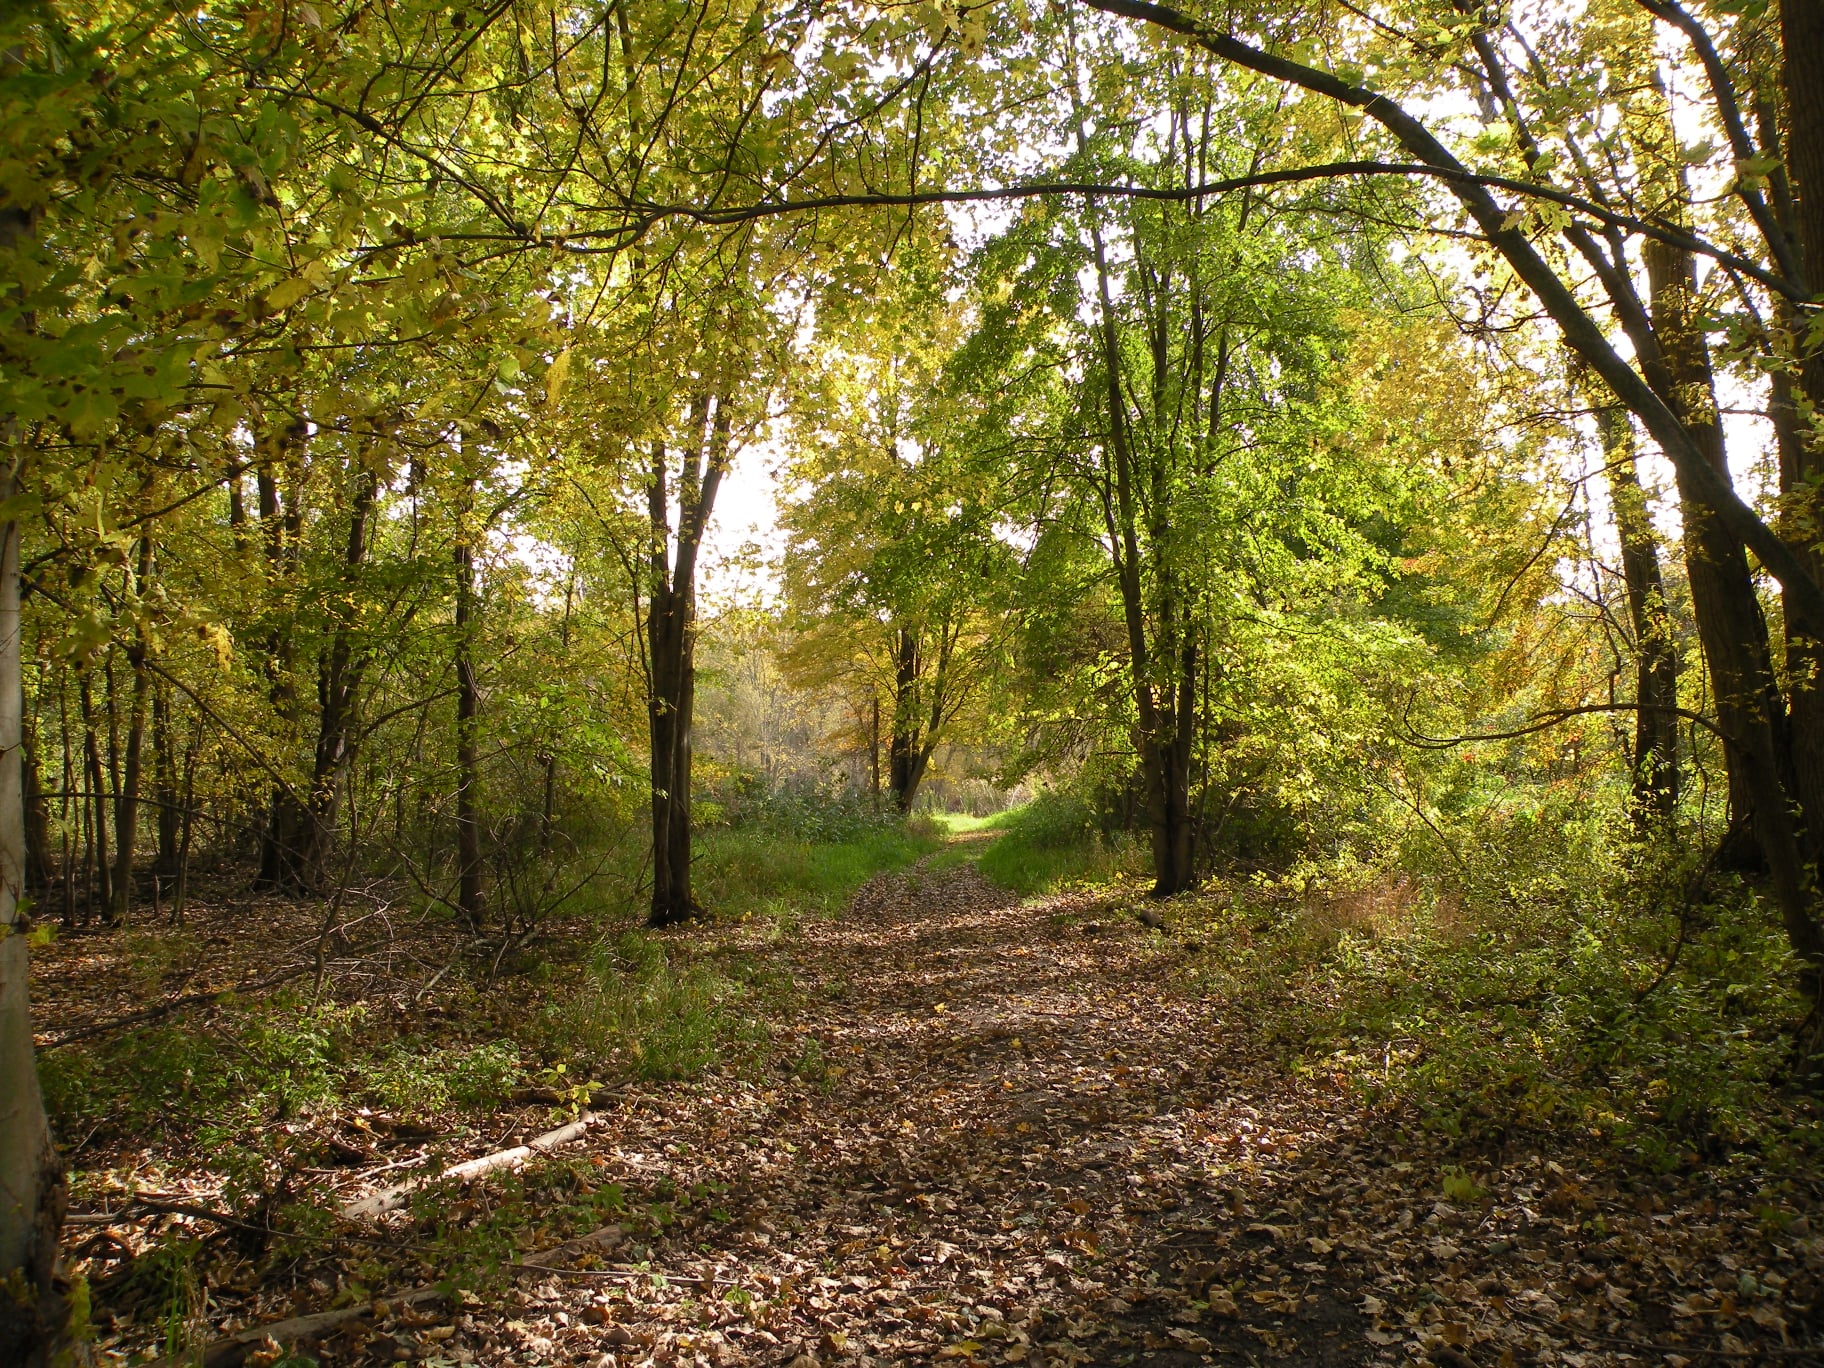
(807, 811)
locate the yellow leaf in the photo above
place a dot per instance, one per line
(286, 293)
(555, 376)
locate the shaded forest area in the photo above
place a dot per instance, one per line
(1259, 797)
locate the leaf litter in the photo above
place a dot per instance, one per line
(1009, 1135)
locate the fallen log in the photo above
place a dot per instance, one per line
(232, 1351)
(392, 1198)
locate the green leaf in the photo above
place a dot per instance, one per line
(91, 414)
(19, 506)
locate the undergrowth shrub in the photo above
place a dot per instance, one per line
(751, 872)
(286, 1055)
(801, 808)
(638, 1013)
(780, 849)
(436, 1076)
(1545, 973)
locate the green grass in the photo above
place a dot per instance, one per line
(746, 872)
(962, 823)
(662, 1008)
(1016, 864)
(1048, 845)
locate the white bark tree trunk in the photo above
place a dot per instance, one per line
(31, 1179)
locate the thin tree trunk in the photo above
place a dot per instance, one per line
(181, 892)
(905, 754)
(547, 817)
(341, 670)
(1655, 757)
(37, 817)
(469, 893)
(1174, 856)
(164, 780)
(286, 836)
(97, 804)
(1120, 515)
(671, 901)
(874, 744)
(126, 806)
(1162, 736)
(68, 805)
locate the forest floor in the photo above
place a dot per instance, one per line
(1010, 1131)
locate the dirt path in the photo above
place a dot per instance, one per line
(1013, 1139)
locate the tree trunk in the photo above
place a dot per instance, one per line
(32, 1316)
(70, 806)
(1802, 50)
(1798, 397)
(1174, 843)
(126, 804)
(282, 843)
(1161, 732)
(1655, 757)
(164, 781)
(37, 818)
(671, 651)
(669, 736)
(287, 836)
(905, 754)
(181, 891)
(96, 809)
(874, 744)
(1730, 623)
(469, 895)
(547, 816)
(341, 669)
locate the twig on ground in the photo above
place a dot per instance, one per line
(391, 1199)
(624, 1274)
(234, 1350)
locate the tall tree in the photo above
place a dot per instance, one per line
(675, 540)
(1555, 199)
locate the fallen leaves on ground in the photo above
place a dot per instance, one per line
(1019, 1140)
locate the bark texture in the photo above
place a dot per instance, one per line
(671, 628)
(32, 1314)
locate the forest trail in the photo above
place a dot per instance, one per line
(1012, 1137)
